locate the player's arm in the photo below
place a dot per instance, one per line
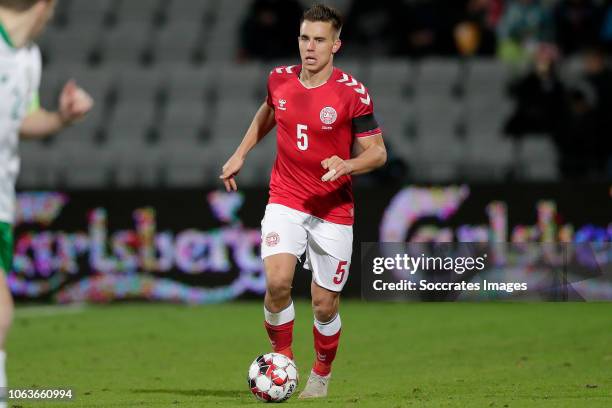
(40, 123)
(74, 104)
(371, 154)
(262, 124)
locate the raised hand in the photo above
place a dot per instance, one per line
(74, 103)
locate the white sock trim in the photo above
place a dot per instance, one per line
(330, 328)
(284, 316)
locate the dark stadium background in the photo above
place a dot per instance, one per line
(467, 92)
(493, 101)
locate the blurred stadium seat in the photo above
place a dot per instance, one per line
(429, 123)
(163, 73)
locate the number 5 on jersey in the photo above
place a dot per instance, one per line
(302, 137)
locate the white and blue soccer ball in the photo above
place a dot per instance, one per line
(272, 377)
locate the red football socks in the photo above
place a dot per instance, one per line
(280, 329)
(326, 337)
(281, 338)
(326, 340)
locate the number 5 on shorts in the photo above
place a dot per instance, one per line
(340, 272)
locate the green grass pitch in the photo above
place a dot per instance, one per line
(391, 355)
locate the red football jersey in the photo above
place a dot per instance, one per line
(314, 124)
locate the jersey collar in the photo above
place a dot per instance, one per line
(333, 75)
(6, 36)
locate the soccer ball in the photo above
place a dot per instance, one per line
(272, 377)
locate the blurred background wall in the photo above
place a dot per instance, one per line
(500, 110)
(466, 90)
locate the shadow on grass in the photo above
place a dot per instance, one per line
(194, 393)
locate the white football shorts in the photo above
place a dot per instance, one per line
(328, 246)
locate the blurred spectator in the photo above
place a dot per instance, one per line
(478, 19)
(270, 30)
(423, 27)
(523, 25)
(578, 136)
(577, 24)
(583, 135)
(598, 75)
(606, 26)
(370, 27)
(539, 96)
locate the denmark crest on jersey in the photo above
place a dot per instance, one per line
(328, 115)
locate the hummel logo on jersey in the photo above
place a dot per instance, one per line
(281, 104)
(357, 87)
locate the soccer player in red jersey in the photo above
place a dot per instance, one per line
(326, 133)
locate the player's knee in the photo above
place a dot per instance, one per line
(324, 309)
(278, 290)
